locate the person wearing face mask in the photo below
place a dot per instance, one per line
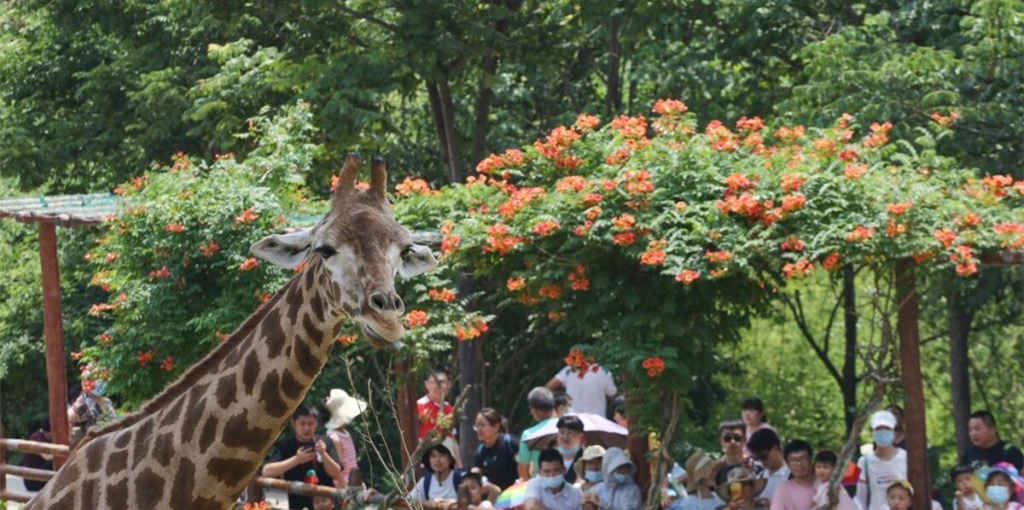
(999, 490)
(618, 491)
(883, 466)
(548, 490)
(588, 468)
(569, 443)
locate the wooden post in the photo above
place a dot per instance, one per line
(408, 422)
(3, 459)
(913, 389)
(56, 368)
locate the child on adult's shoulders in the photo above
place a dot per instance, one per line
(966, 496)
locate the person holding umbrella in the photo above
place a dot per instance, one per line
(569, 443)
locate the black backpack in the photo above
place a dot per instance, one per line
(427, 475)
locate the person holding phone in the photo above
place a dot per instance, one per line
(293, 457)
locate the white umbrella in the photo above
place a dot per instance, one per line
(596, 429)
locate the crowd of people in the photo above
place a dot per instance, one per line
(555, 465)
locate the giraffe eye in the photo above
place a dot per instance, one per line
(407, 252)
(325, 251)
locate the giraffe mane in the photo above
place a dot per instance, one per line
(193, 374)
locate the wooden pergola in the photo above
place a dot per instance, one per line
(48, 212)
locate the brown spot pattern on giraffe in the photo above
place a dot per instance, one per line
(141, 450)
(227, 387)
(149, 489)
(237, 433)
(230, 471)
(94, 453)
(171, 415)
(117, 494)
(117, 462)
(89, 497)
(183, 486)
(163, 448)
(308, 363)
(270, 394)
(313, 333)
(123, 439)
(316, 304)
(250, 370)
(208, 435)
(272, 334)
(290, 386)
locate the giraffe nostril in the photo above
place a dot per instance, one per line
(380, 302)
(399, 305)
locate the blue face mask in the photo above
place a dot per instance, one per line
(998, 494)
(101, 387)
(883, 437)
(593, 476)
(552, 482)
(567, 452)
(620, 478)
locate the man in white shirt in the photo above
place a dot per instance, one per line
(766, 448)
(590, 387)
(885, 465)
(549, 491)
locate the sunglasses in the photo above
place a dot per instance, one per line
(732, 438)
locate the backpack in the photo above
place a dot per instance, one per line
(427, 475)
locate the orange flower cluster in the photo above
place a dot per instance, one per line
(997, 184)
(495, 162)
(825, 147)
(161, 273)
(449, 242)
(256, 505)
(799, 269)
(669, 107)
(585, 122)
(737, 182)
(879, 134)
(792, 243)
(721, 138)
(624, 222)
(893, 229)
(787, 134)
(411, 186)
(145, 357)
(167, 364)
(578, 279)
(110, 257)
(209, 249)
(174, 228)
(969, 220)
(515, 283)
(579, 363)
(831, 261)
(855, 170)
(750, 124)
(593, 198)
(860, 233)
(554, 148)
(105, 338)
(945, 121)
(545, 227)
(416, 318)
(443, 295)
(630, 127)
(499, 241)
(848, 155)
(793, 202)
(963, 257)
(638, 182)
(792, 182)
(248, 264)
(552, 292)
(717, 257)
(654, 366)
(1009, 230)
(687, 276)
(518, 198)
(945, 236)
(624, 239)
(346, 339)
(247, 216)
(473, 329)
(899, 208)
(569, 183)
(655, 254)
(744, 204)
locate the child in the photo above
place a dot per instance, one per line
(323, 503)
(900, 495)
(966, 498)
(999, 490)
(824, 465)
(475, 494)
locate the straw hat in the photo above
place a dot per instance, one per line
(591, 452)
(343, 408)
(739, 474)
(700, 466)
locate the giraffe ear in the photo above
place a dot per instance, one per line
(284, 250)
(416, 259)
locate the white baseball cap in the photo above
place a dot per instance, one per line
(883, 419)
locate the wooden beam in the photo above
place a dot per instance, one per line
(56, 367)
(20, 497)
(913, 387)
(40, 475)
(26, 446)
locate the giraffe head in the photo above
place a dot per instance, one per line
(362, 248)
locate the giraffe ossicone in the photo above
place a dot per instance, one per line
(201, 440)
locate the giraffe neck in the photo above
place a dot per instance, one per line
(200, 442)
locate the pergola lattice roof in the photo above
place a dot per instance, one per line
(66, 210)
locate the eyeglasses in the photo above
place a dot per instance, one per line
(732, 438)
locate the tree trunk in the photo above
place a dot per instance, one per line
(959, 328)
(443, 114)
(913, 387)
(469, 374)
(849, 383)
(614, 65)
(408, 424)
(482, 109)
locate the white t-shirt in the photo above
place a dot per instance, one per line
(590, 393)
(774, 480)
(972, 503)
(876, 476)
(569, 498)
(443, 490)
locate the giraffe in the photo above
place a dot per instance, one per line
(200, 441)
